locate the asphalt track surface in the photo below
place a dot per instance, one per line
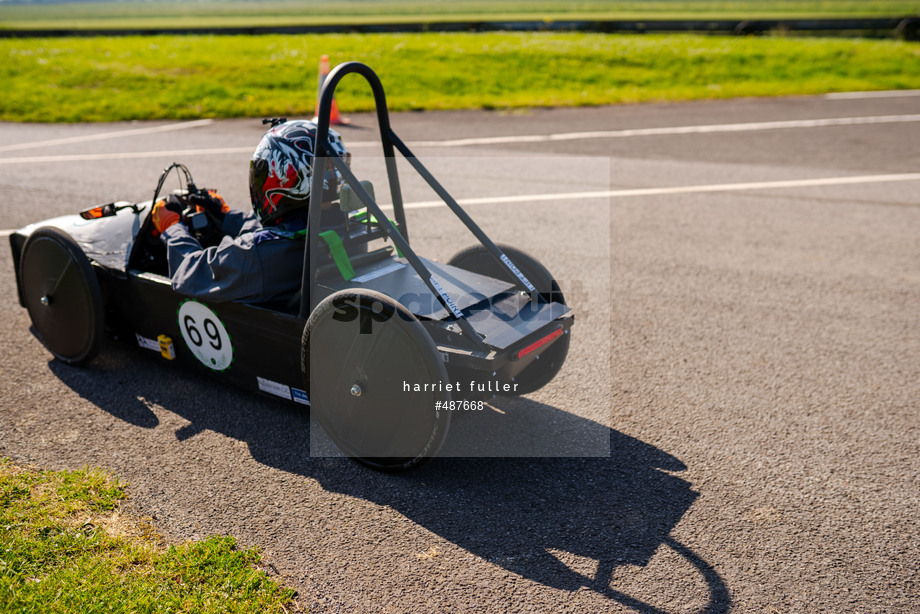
(740, 404)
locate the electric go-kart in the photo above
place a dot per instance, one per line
(381, 343)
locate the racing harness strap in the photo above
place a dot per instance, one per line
(337, 251)
(364, 217)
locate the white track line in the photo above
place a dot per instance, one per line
(127, 155)
(565, 136)
(686, 189)
(675, 130)
(634, 192)
(864, 95)
(108, 135)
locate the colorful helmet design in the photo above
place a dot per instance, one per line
(280, 172)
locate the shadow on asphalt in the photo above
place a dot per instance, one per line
(526, 515)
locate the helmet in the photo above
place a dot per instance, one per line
(281, 171)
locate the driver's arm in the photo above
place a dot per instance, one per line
(228, 271)
(233, 222)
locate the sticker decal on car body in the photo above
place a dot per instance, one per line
(205, 335)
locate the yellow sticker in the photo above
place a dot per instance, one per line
(166, 347)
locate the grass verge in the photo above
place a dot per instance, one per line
(106, 79)
(242, 13)
(65, 547)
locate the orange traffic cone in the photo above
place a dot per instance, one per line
(334, 118)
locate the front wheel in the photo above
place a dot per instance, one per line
(62, 295)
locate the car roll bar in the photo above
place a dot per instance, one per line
(398, 233)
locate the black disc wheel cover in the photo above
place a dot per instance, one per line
(478, 260)
(360, 351)
(62, 295)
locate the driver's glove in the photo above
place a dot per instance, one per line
(212, 202)
(163, 217)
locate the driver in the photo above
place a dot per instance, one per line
(261, 255)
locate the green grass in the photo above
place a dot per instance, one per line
(65, 547)
(103, 79)
(166, 13)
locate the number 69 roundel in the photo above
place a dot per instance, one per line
(205, 335)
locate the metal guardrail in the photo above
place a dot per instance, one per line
(906, 28)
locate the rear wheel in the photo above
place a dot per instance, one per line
(478, 260)
(62, 295)
(375, 380)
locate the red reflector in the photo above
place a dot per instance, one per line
(92, 214)
(533, 346)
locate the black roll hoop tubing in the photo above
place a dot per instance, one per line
(398, 235)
